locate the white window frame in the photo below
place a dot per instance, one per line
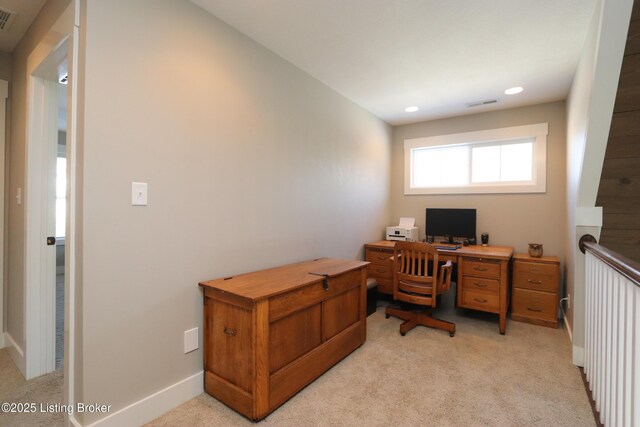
(538, 184)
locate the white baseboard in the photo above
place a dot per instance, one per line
(151, 407)
(578, 356)
(16, 353)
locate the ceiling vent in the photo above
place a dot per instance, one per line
(479, 103)
(6, 18)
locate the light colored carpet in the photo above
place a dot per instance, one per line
(46, 389)
(477, 378)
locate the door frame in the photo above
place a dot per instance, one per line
(4, 94)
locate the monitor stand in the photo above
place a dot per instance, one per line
(450, 241)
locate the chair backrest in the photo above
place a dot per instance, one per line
(415, 273)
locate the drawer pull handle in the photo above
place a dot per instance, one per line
(480, 285)
(229, 332)
(535, 282)
(480, 300)
(537, 310)
(479, 269)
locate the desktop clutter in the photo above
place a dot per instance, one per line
(448, 224)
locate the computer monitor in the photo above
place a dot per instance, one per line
(451, 224)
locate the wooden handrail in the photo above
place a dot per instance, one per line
(623, 265)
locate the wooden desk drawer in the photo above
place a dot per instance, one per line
(290, 302)
(477, 284)
(379, 256)
(380, 271)
(539, 277)
(481, 268)
(534, 304)
(480, 301)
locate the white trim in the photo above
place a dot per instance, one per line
(4, 92)
(151, 407)
(578, 356)
(16, 352)
(70, 235)
(539, 182)
(589, 216)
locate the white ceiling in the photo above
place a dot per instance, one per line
(26, 11)
(439, 55)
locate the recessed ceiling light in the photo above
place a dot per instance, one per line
(513, 90)
(411, 109)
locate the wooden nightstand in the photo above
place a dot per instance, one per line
(535, 290)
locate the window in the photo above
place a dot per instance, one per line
(507, 160)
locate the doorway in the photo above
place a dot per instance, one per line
(46, 219)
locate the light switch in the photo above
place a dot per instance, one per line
(19, 196)
(190, 340)
(139, 193)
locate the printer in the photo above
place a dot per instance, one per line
(404, 231)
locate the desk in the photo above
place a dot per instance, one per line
(269, 333)
(483, 275)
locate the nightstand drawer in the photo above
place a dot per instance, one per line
(538, 277)
(534, 304)
(477, 284)
(481, 268)
(480, 301)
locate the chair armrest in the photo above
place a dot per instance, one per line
(393, 258)
(445, 270)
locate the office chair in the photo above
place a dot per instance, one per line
(413, 283)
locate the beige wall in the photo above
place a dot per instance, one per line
(5, 66)
(250, 163)
(33, 45)
(510, 219)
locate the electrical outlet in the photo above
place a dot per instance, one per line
(568, 301)
(190, 340)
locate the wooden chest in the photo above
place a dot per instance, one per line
(269, 333)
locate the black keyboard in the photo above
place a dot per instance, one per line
(446, 248)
